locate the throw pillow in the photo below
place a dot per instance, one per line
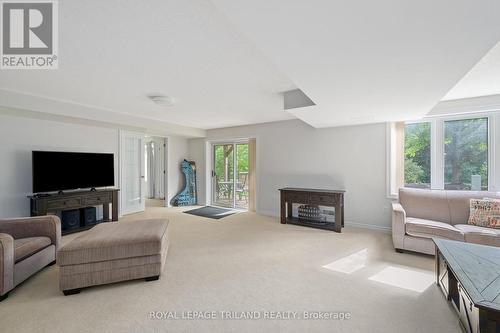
(485, 213)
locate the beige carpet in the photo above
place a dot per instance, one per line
(247, 262)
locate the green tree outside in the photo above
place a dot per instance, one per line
(241, 157)
(466, 152)
(418, 155)
(465, 149)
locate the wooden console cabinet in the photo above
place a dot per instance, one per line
(313, 197)
(44, 204)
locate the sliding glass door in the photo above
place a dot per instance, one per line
(230, 175)
(223, 179)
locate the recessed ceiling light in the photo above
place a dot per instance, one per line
(163, 100)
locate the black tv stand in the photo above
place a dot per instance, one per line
(51, 203)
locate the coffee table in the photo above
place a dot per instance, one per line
(469, 276)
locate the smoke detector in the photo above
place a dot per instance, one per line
(164, 101)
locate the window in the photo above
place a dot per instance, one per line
(417, 164)
(444, 153)
(466, 154)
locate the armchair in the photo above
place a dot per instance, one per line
(26, 246)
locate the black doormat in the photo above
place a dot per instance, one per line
(211, 212)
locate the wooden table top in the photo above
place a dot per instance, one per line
(299, 189)
(477, 268)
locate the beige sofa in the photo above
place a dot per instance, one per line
(423, 214)
(26, 246)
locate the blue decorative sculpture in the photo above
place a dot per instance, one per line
(187, 196)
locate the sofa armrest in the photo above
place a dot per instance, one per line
(398, 225)
(49, 226)
(6, 263)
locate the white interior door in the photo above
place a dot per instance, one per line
(165, 173)
(133, 189)
(160, 169)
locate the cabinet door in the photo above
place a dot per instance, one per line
(469, 314)
(443, 276)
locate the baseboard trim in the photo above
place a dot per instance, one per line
(368, 226)
(267, 213)
(347, 223)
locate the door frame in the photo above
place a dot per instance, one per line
(166, 170)
(122, 135)
(234, 143)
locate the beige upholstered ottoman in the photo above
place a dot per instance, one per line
(112, 252)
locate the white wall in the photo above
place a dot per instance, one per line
(291, 153)
(19, 136)
(177, 151)
(288, 154)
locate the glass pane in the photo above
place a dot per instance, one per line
(466, 154)
(224, 178)
(242, 176)
(418, 155)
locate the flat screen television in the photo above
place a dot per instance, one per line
(58, 171)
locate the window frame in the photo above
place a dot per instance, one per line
(437, 146)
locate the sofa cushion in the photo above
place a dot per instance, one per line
(480, 235)
(425, 204)
(115, 240)
(428, 229)
(459, 203)
(485, 213)
(25, 247)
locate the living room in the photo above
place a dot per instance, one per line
(217, 165)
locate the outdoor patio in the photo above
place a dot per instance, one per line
(224, 195)
(230, 191)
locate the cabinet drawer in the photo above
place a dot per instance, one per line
(64, 203)
(297, 197)
(98, 199)
(322, 199)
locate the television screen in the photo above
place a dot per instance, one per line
(58, 171)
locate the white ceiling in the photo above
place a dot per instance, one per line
(366, 61)
(482, 80)
(228, 61)
(115, 53)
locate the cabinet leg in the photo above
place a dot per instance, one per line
(105, 212)
(114, 207)
(339, 221)
(283, 210)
